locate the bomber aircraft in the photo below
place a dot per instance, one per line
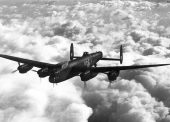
(84, 66)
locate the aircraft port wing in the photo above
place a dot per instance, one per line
(27, 61)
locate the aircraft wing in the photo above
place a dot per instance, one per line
(27, 61)
(118, 68)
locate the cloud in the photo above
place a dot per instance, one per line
(44, 33)
(31, 101)
(126, 101)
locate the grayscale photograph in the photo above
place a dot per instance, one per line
(84, 60)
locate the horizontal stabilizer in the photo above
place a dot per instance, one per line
(115, 59)
(77, 57)
(110, 59)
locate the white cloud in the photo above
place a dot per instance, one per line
(45, 32)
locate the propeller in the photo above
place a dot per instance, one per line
(34, 70)
(17, 68)
(85, 85)
(37, 71)
(110, 84)
(40, 80)
(54, 84)
(14, 71)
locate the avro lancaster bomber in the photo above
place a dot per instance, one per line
(84, 66)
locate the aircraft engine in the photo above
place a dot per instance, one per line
(55, 78)
(24, 68)
(43, 72)
(87, 75)
(113, 75)
(52, 78)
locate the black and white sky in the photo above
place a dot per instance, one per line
(43, 30)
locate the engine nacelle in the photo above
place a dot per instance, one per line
(59, 75)
(55, 78)
(24, 68)
(43, 72)
(52, 78)
(87, 75)
(113, 75)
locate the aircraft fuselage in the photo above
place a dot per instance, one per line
(72, 68)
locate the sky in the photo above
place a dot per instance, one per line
(43, 31)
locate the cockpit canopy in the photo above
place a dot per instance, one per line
(85, 53)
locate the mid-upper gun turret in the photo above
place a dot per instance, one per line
(85, 54)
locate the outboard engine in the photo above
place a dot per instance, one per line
(113, 75)
(24, 68)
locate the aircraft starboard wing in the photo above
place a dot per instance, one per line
(118, 68)
(27, 61)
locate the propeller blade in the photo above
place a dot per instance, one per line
(85, 85)
(110, 85)
(14, 71)
(34, 70)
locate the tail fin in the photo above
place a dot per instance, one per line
(121, 54)
(115, 59)
(71, 51)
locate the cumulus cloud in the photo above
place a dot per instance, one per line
(31, 101)
(43, 31)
